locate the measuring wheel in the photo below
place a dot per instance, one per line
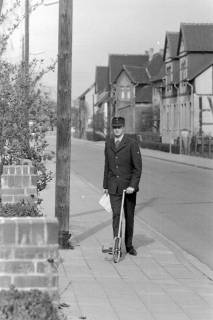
(117, 250)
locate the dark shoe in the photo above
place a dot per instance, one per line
(132, 251)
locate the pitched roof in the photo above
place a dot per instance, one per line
(143, 94)
(101, 79)
(171, 41)
(137, 74)
(116, 62)
(198, 63)
(155, 64)
(197, 37)
(160, 75)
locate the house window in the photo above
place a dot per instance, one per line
(183, 70)
(164, 117)
(169, 74)
(169, 89)
(175, 116)
(124, 93)
(168, 118)
(190, 115)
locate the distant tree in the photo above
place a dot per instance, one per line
(13, 126)
(74, 117)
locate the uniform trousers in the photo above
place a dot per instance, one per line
(129, 210)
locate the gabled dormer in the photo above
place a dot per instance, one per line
(171, 62)
(182, 48)
(195, 50)
(128, 81)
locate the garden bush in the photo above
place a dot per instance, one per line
(27, 305)
(96, 136)
(21, 209)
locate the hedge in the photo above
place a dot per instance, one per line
(160, 146)
(27, 305)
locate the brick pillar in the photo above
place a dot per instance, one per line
(26, 245)
(18, 182)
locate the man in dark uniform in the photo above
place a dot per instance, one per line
(123, 166)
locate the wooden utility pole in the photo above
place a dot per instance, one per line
(63, 142)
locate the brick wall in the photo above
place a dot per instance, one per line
(18, 182)
(26, 244)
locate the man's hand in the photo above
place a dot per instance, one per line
(106, 191)
(130, 190)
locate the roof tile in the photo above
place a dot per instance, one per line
(116, 62)
(101, 79)
(137, 74)
(198, 37)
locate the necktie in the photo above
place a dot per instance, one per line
(117, 143)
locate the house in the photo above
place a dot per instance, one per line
(125, 88)
(156, 70)
(102, 97)
(195, 50)
(106, 88)
(133, 95)
(158, 90)
(188, 98)
(169, 113)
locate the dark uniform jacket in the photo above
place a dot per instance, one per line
(123, 165)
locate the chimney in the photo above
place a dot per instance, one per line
(151, 52)
(161, 52)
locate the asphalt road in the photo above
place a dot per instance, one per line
(174, 199)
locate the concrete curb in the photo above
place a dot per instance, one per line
(185, 256)
(177, 161)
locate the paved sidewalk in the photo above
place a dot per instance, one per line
(158, 284)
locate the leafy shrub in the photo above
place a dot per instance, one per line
(21, 209)
(27, 305)
(43, 175)
(96, 136)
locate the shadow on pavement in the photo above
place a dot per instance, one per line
(91, 231)
(84, 213)
(141, 240)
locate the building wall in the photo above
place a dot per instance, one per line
(125, 101)
(185, 112)
(156, 107)
(204, 82)
(169, 120)
(203, 115)
(128, 115)
(143, 117)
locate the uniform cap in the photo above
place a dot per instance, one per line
(118, 122)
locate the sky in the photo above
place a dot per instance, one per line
(103, 27)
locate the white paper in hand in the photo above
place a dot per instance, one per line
(105, 202)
